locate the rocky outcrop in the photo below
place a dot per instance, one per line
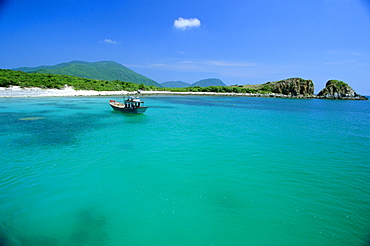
(296, 87)
(336, 89)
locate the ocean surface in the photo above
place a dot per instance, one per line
(192, 170)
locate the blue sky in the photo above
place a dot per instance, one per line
(237, 41)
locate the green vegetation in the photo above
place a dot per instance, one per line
(337, 83)
(55, 81)
(109, 76)
(254, 88)
(217, 89)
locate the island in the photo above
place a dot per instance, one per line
(336, 89)
(35, 84)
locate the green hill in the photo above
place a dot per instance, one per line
(209, 82)
(103, 70)
(175, 84)
(57, 81)
(34, 69)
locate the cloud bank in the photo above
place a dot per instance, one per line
(110, 41)
(184, 24)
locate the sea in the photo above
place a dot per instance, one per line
(192, 170)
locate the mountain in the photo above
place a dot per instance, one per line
(175, 84)
(209, 82)
(201, 83)
(103, 70)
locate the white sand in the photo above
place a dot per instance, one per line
(16, 91)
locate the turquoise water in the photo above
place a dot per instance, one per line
(191, 171)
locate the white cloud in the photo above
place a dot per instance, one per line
(110, 41)
(345, 53)
(184, 24)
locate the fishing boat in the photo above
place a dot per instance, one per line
(132, 105)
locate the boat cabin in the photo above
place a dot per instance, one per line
(133, 102)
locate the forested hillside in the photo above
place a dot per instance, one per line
(103, 70)
(56, 81)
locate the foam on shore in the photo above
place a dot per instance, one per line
(16, 91)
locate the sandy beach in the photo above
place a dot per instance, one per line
(16, 91)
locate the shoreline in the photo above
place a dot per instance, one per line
(18, 92)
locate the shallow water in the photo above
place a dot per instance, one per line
(190, 171)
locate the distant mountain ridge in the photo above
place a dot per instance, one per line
(201, 83)
(209, 82)
(102, 70)
(109, 70)
(175, 84)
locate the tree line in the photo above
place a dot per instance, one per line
(55, 81)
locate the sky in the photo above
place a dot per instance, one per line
(238, 41)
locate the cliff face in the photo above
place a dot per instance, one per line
(336, 89)
(292, 87)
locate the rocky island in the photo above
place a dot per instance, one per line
(336, 89)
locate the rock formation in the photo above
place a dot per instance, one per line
(336, 89)
(293, 87)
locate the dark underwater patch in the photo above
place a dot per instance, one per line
(90, 229)
(39, 129)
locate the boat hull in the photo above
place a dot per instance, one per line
(138, 110)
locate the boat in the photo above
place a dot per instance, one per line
(132, 105)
